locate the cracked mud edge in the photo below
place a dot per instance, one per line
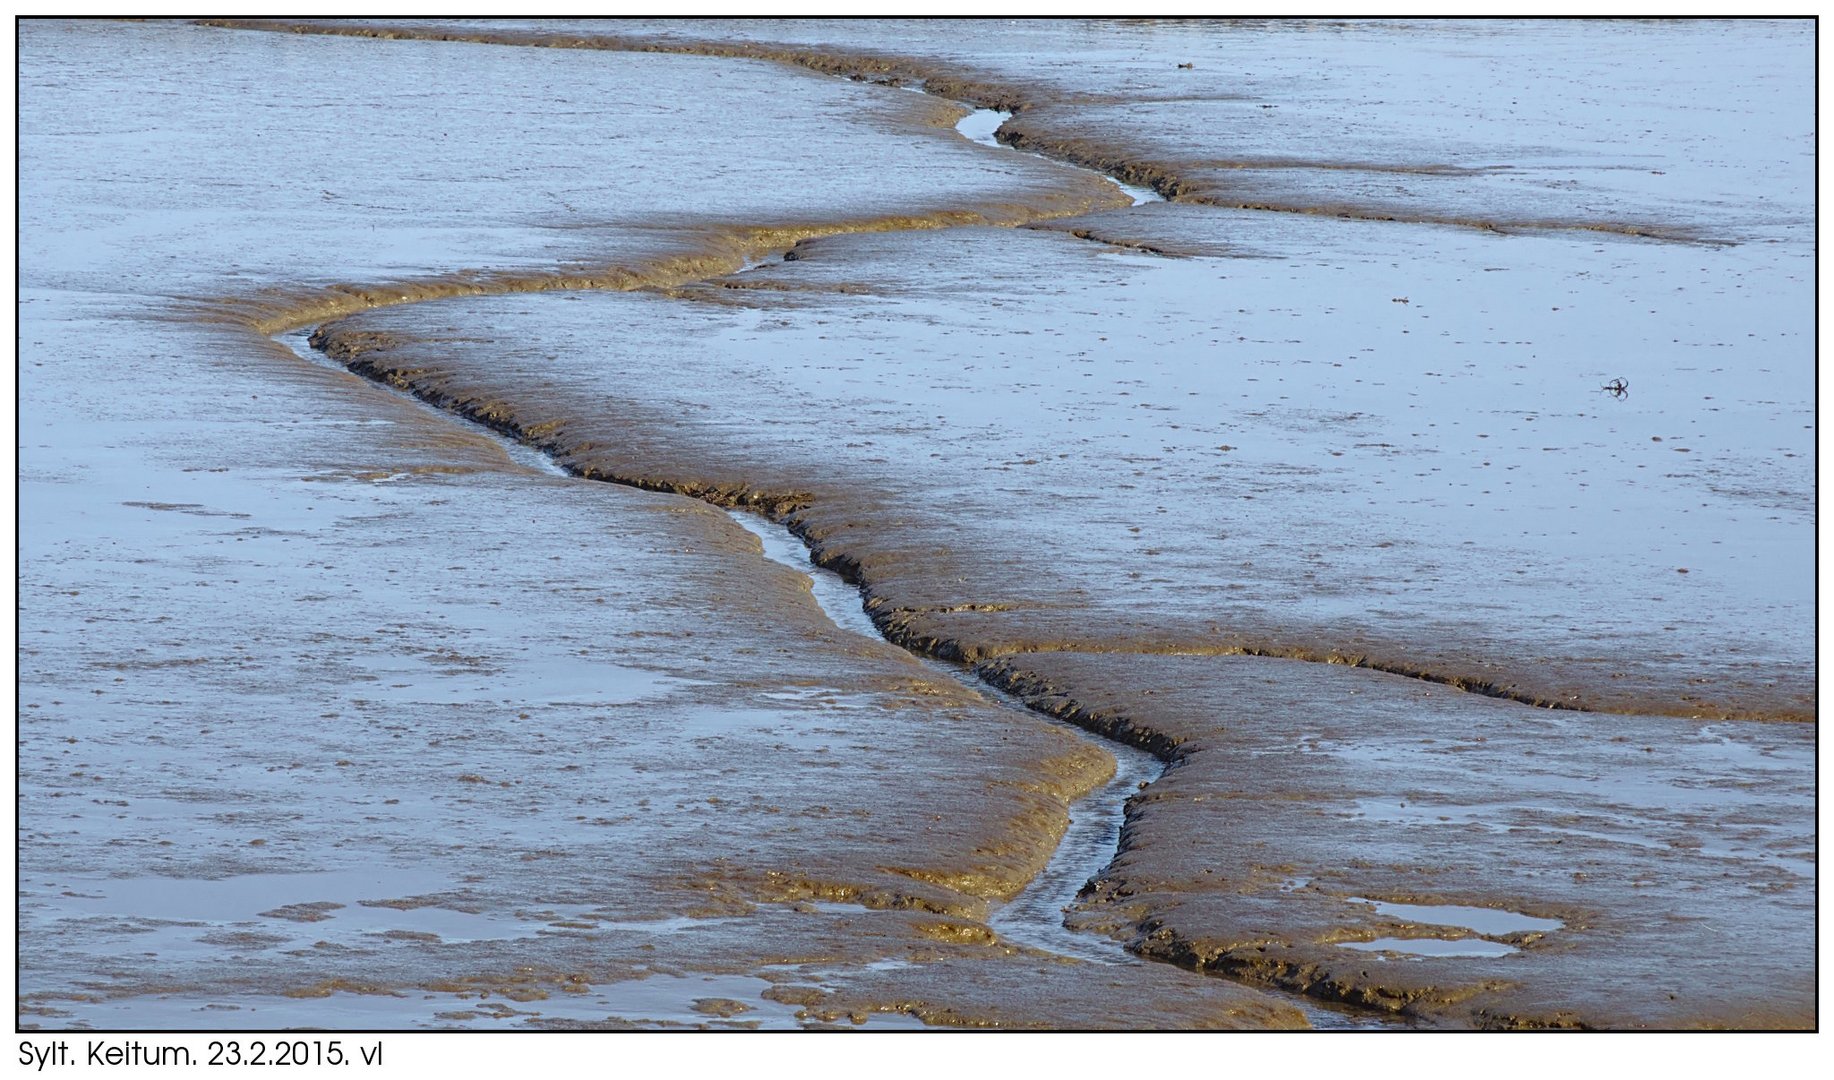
(1124, 164)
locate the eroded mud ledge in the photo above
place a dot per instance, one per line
(701, 255)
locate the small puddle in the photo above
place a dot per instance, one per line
(1479, 920)
(979, 126)
(1488, 921)
(1432, 947)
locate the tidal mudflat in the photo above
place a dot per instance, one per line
(1235, 407)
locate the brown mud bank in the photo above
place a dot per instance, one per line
(1278, 185)
(885, 68)
(690, 255)
(1055, 121)
(1343, 835)
(913, 580)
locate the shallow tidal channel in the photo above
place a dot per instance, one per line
(1035, 918)
(603, 762)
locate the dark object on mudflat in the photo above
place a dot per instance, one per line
(1617, 388)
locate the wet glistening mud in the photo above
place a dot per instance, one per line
(1127, 535)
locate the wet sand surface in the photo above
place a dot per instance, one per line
(335, 710)
(1333, 117)
(1660, 872)
(1036, 433)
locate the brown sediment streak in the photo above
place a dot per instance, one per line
(885, 68)
(1176, 182)
(1667, 233)
(1009, 674)
(1468, 684)
(1170, 180)
(1085, 232)
(928, 631)
(712, 253)
(1350, 166)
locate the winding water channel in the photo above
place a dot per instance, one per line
(333, 712)
(1035, 917)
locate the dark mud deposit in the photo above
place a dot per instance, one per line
(669, 790)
